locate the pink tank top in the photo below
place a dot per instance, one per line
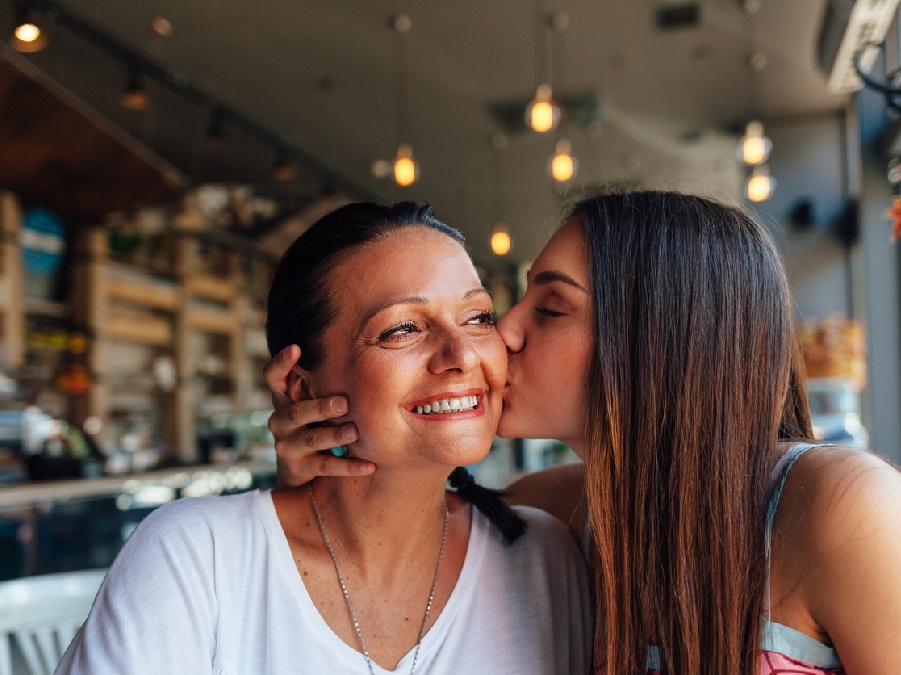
(786, 650)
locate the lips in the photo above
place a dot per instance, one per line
(449, 404)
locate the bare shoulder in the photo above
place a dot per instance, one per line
(838, 495)
(557, 491)
(842, 489)
(842, 513)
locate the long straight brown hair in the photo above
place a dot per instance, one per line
(692, 382)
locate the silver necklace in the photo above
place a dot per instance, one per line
(350, 608)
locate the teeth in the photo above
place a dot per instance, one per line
(448, 405)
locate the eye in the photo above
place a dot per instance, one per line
(488, 318)
(548, 312)
(399, 332)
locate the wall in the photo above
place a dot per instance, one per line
(807, 162)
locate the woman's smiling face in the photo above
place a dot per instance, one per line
(549, 337)
(414, 327)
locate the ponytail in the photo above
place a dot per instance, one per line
(489, 502)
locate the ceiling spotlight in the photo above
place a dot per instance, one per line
(161, 26)
(563, 165)
(754, 147)
(757, 60)
(498, 140)
(501, 243)
(401, 23)
(282, 169)
(406, 170)
(760, 185)
(542, 114)
(27, 36)
(135, 96)
(381, 168)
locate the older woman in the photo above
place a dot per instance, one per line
(656, 338)
(383, 573)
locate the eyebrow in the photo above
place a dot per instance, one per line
(416, 300)
(550, 276)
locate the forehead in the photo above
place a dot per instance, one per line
(566, 252)
(405, 261)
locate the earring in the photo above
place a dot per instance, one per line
(339, 451)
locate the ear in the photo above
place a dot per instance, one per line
(300, 385)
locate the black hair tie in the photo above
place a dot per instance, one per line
(490, 503)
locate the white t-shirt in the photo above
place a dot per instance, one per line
(209, 585)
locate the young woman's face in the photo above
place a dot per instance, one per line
(414, 331)
(549, 341)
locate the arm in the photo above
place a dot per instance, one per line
(852, 585)
(156, 609)
(558, 491)
(298, 439)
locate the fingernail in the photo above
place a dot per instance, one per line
(366, 468)
(339, 405)
(350, 432)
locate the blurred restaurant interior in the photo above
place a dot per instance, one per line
(157, 157)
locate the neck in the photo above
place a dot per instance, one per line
(389, 518)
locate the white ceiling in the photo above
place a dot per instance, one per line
(321, 74)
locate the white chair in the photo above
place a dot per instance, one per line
(40, 615)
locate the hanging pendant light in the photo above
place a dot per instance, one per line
(501, 242)
(542, 114)
(761, 184)
(406, 170)
(754, 148)
(27, 36)
(135, 96)
(282, 169)
(563, 165)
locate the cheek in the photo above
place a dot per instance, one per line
(494, 360)
(372, 385)
(573, 361)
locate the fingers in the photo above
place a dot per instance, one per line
(292, 418)
(276, 372)
(312, 439)
(300, 468)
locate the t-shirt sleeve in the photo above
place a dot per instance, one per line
(571, 604)
(156, 609)
(580, 615)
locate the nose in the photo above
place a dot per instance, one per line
(511, 329)
(456, 351)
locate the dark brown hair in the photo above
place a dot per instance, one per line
(690, 386)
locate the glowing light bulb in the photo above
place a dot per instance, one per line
(501, 243)
(28, 37)
(563, 165)
(754, 147)
(406, 171)
(542, 114)
(28, 32)
(760, 185)
(135, 96)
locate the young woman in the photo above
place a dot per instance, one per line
(384, 573)
(656, 338)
